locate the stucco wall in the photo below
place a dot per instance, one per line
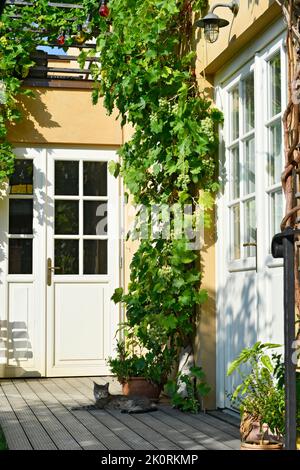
(65, 116)
(253, 17)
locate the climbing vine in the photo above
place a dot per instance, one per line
(22, 29)
(148, 72)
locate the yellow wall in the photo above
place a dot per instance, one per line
(253, 17)
(65, 116)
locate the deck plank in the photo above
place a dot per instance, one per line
(39, 414)
(227, 428)
(14, 433)
(105, 435)
(207, 442)
(198, 422)
(58, 433)
(180, 440)
(117, 426)
(158, 440)
(38, 437)
(85, 439)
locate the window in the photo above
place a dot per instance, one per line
(254, 154)
(20, 231)
(273, 127)
(241, 150)
(81, 226)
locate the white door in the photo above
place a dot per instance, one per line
(250, 209)
(82, 262)
(22, 271)
(62, 211)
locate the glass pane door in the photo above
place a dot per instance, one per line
(20, 231)
(80, 218)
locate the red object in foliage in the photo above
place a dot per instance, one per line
(103, 10)
(61, 39)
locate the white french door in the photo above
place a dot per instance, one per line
(60, 234)
(82, 262)
(250, 208)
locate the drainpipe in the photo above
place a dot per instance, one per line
(283, 247)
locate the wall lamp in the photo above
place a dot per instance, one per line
(212, 23)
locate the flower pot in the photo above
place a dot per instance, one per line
(139, 386)
(264, 445)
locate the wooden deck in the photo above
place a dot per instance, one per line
(37, 414)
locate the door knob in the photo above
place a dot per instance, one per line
(255, 245)
(51, 269)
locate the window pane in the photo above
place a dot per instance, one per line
(20, 257)
(20, 216)
(95, 256)
(234, 113)
(276, 212)
(249, 103)
(67, 256)
(275, 85)
(95, 218)
(236, 237)
(95, 179)
(66, 178)
(235, 173)
(250, 227)
(21, 181)
(66, 218)
(249, 166)
(275, 154)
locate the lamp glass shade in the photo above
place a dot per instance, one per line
(211, 32)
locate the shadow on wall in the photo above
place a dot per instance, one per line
(14, 341)
(15, 350)
(38, 114)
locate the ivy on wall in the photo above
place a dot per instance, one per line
(22, 29)
(147, 72)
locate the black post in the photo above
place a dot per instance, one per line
(283, 247)
(2, 5)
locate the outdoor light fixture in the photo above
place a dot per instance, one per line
(212, 23)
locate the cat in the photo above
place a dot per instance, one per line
(106, 401)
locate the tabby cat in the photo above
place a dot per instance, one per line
(105, 401)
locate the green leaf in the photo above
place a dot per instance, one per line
(114, 168)
(117, 296)
(267, 363)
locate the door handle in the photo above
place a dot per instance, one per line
(51, 269)
(255, 245)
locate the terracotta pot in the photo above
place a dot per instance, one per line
(266, 445)
(141, 387)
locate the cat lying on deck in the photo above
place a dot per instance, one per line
(105, 401)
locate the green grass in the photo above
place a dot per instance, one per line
(3, 445)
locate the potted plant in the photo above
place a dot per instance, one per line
(260, 397)
(142, 367)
